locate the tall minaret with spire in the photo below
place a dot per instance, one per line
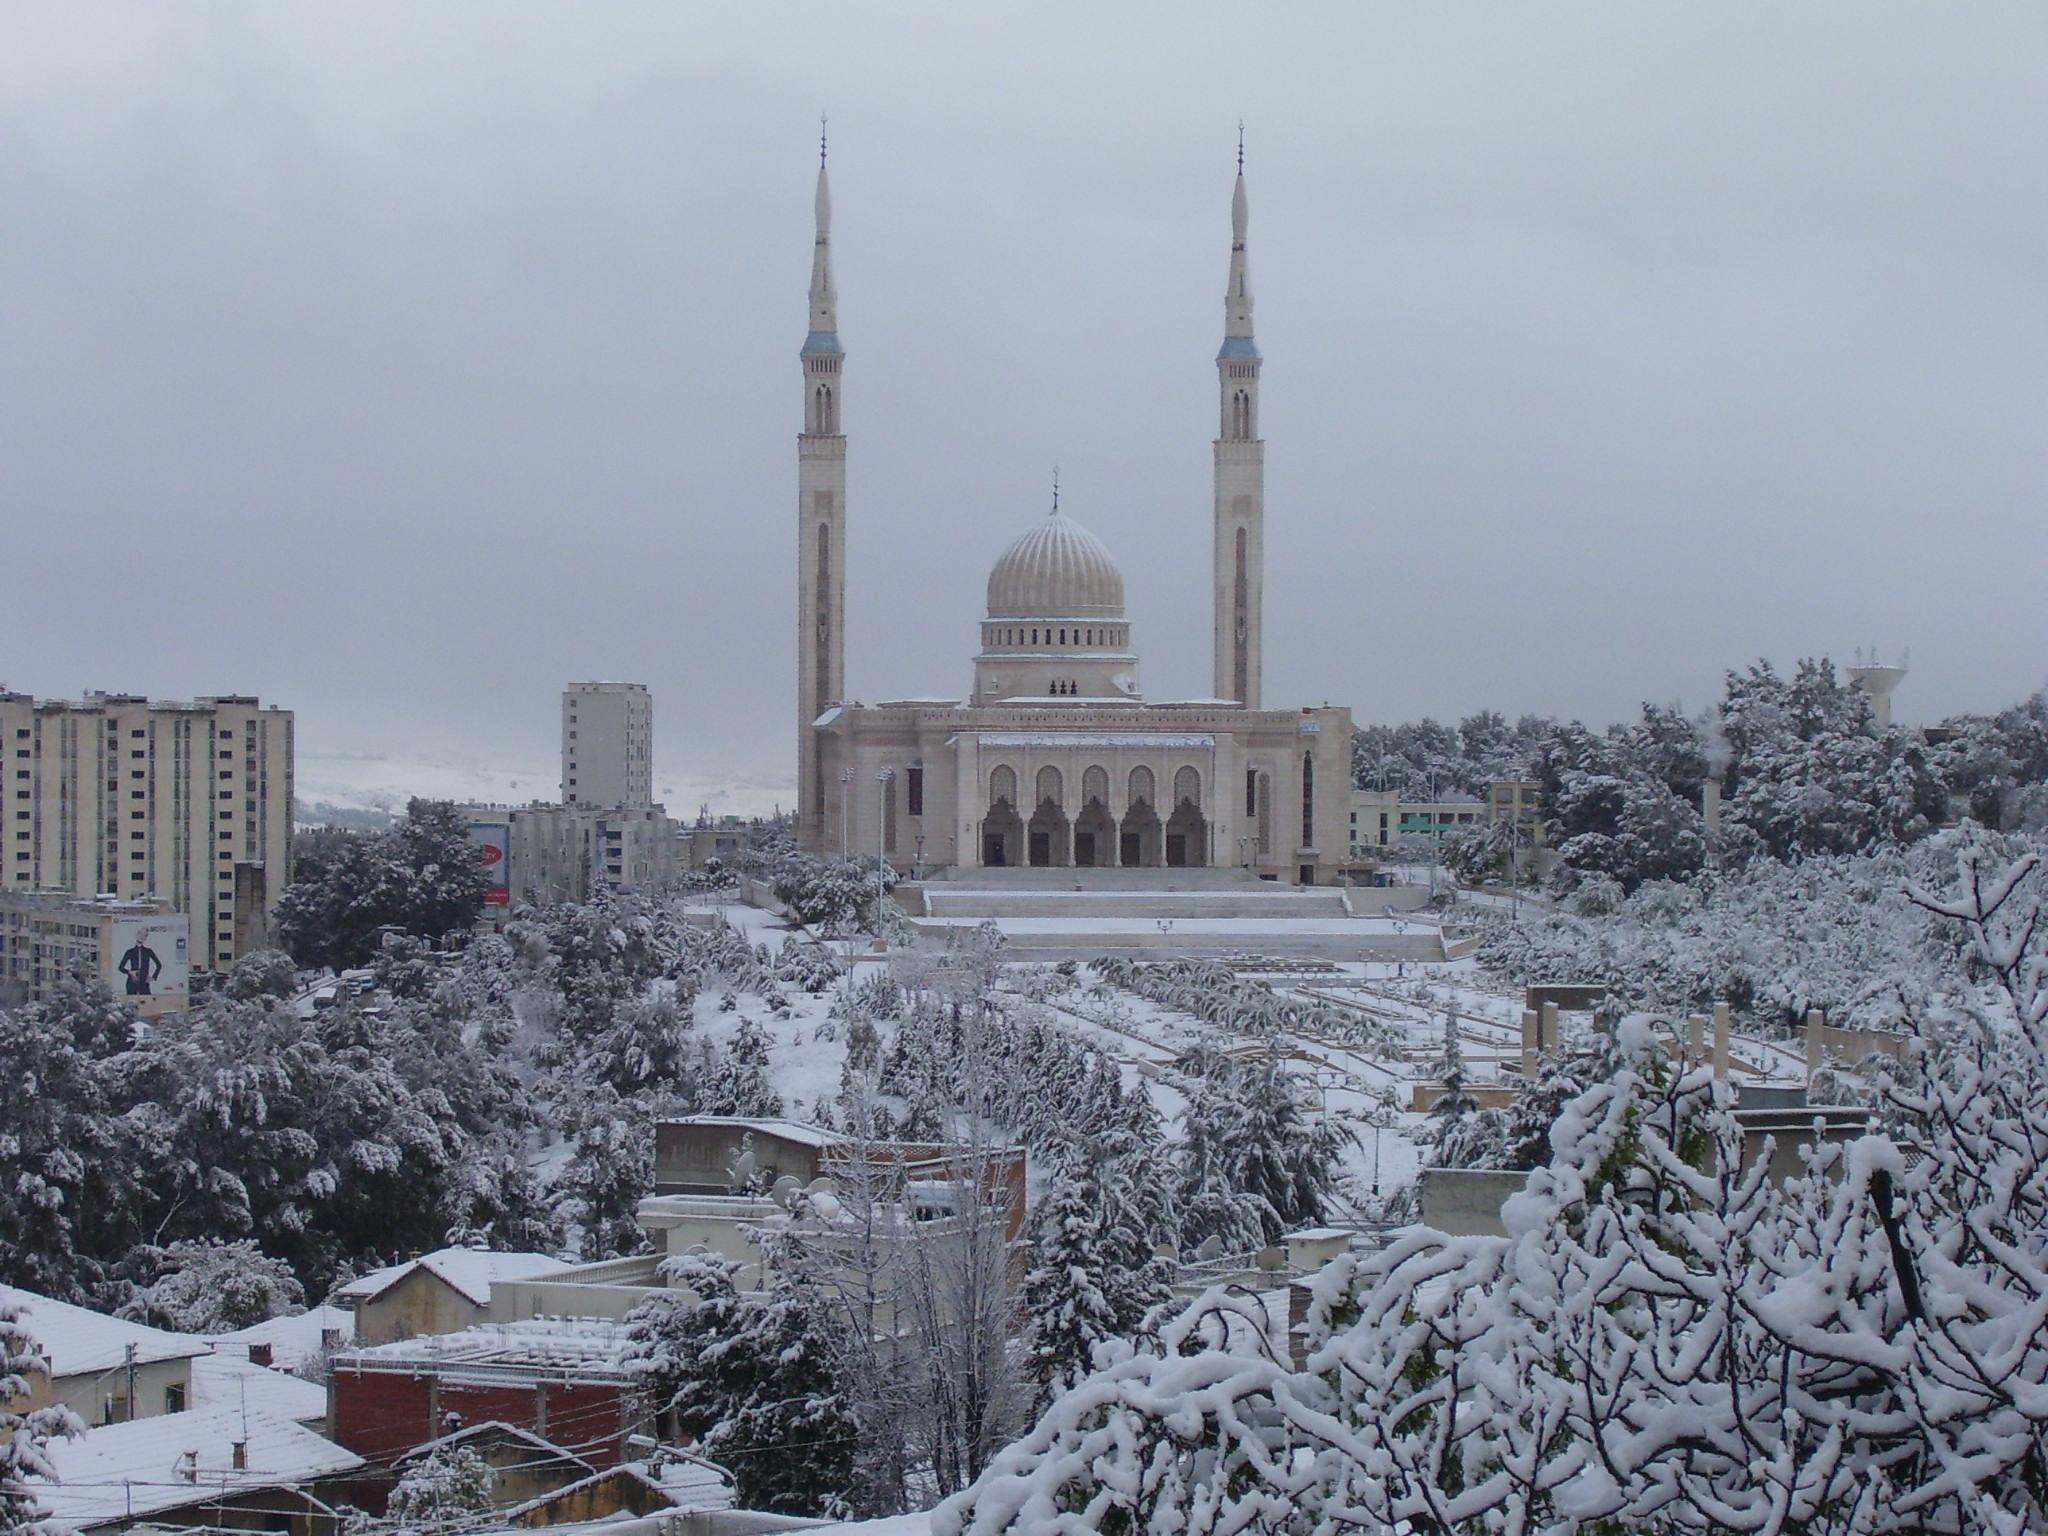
(821, 525)
(1240, 479)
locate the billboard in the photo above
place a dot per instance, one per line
(149, 956)
(493, 841)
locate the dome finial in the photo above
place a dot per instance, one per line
(1240, 146)
(1055, 487)
(821, 143)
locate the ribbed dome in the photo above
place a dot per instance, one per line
(1059, 570)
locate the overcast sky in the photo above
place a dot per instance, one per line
(401, 363)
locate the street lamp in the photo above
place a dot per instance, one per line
(846, 777)
(882, 780)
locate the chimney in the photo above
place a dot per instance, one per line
(259, 1354)
(241, 1455)
(330, 1339)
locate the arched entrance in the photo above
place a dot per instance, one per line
(1141, 837)
(1049, 833)
(1187, 831)
(1002, 830)
(1094, 828)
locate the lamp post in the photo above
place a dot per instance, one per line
(917, 869)
(881, 853)
(846, 777)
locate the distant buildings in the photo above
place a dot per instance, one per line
(141, 949)
(608, 745)
(118, 796)
(104, 1369)
(1380, 818)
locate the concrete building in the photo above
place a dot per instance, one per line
(115, 795)
(567, 852)
(1380, 818)
(440, 1292)
(608, 745)
(104, 1369)
(141, 949)
(1055, 759)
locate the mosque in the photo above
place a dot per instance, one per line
(1057, 760)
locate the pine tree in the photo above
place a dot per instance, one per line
(1065, 1294)
(754, 1379)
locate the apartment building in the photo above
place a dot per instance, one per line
(608, 745)
(140, 949)
(116, 795)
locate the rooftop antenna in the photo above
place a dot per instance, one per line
(1240, 146)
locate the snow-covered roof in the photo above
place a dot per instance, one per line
(687, 1482)
(493, 1429)
(224, 1380)
(139, 1467)
(789, 1130)
(76, 1340)
(468, 1270)
(293, 1340)
(579, 1348)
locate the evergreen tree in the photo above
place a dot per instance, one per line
(754, 1379)
(448, 1486)
(1065, 1299)
(215, 1287)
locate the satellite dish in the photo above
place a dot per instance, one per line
(696, 1251)
(785, 1191)
(1212, 1248)
(742, 1170)
(822, 1185)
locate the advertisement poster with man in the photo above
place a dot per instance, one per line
(493, 841)
(149, 960)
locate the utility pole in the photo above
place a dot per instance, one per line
(129, 1355)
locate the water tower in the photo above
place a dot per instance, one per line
(1878, 682)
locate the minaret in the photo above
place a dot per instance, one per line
(821, 526)
(1240, 479)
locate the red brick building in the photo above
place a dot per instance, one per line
(561, 1378)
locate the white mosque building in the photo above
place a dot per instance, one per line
(1057, 760)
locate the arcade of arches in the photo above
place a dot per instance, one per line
(1109, 823)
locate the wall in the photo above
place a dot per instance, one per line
(85, 1395)
(1466, 1202)
(382, 1414)
(420, 1303)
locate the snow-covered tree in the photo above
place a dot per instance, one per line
(610, 1171)
(753, 1379)
(25, 1436)
(1664, 1341)
(422, 876)
(215, 1287)
(447, 1487)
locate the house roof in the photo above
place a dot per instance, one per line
(469, 1271)
(789, 1130)
(294, 1340)
(687, 1482)
(225, 1381)
(494, 1429)
(137, 1468)
(76, 1340)
(552, 1348)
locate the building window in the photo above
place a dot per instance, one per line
(1308, 800)
(914, 790)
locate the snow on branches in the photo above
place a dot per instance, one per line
(1664, 1340)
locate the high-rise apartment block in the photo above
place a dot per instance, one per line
(117, 796)
(607, 745)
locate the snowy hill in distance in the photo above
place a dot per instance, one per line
(369, 790)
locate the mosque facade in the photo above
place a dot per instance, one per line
(1056, 759)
